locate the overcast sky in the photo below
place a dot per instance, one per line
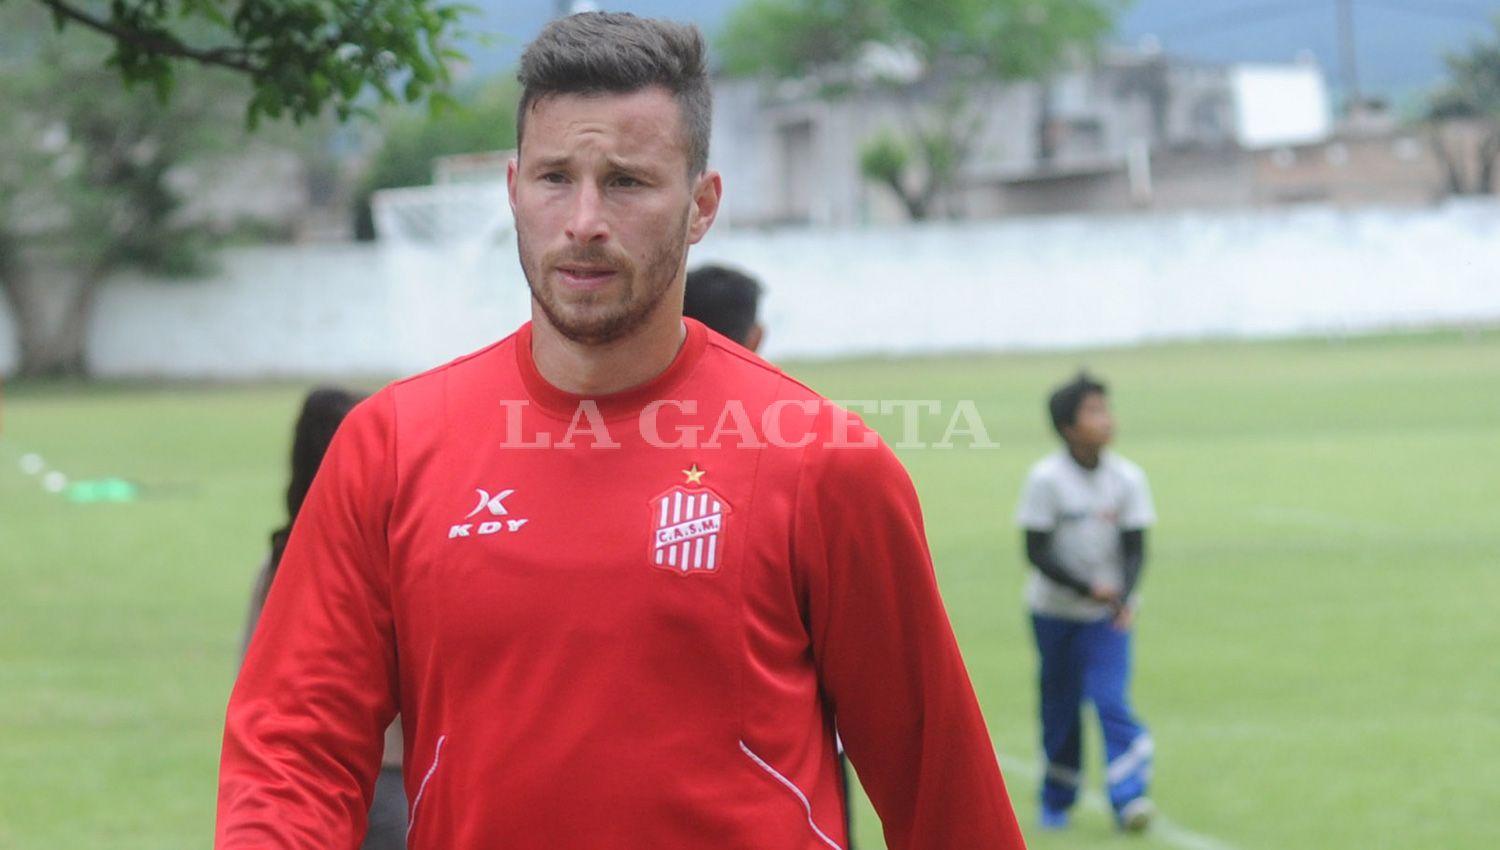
(1400, 41)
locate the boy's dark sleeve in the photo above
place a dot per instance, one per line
(1133, 545)
(1039, 553)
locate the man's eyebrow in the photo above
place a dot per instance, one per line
(631, 165)
(616, 163)
(550, 162)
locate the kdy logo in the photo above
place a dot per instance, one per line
(495, 505)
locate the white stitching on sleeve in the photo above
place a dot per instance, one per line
(411, 819)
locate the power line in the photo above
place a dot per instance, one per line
(1265, 12)
(1343, 19)
(1349, 56)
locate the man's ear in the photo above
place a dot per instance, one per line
(707, 190)
(755, 337)
(512, 169)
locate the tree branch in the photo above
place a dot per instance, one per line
(1489, 151)
(1451, 168)
(164, 45)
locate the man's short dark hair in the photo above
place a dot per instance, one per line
(619, 53)
(724, 299)
(1067, 398)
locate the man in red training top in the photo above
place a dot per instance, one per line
(616, 573)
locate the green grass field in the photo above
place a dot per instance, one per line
(1316, 656)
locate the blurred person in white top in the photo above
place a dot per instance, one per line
(1084, 512)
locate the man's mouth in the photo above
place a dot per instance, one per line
(585, 276)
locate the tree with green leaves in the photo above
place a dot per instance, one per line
(1464, 118)
(301, 57)
(87, 165)
(962, 46)
(87, 173)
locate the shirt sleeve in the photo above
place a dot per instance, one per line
(306, 721)
(1138, 511)
(1037, 510)
(888, 661)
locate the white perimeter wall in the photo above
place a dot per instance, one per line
(1016, 284)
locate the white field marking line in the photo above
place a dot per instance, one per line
(1161, 827)
(1320, 520)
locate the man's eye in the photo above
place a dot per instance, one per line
(553, 177)
(626, 182)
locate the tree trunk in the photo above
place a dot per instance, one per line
(1451, 162)
(1489, 152)
(917, 204)
(71, 341)
(1046, 135)
(51, 346)
(914, 204)
(926, 199)
(26, 314)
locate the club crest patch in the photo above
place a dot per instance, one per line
(687, 530)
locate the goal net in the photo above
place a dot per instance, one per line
(449, 257)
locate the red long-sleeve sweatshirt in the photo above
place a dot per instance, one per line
(624, 622)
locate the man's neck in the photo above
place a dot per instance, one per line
(596, 370)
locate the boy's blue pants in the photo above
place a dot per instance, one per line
(1088, 661)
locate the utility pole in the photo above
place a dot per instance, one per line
(1348, 55)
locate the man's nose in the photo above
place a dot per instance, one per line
(586, 221)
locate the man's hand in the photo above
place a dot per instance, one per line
(1124, 617)
(1104, 593)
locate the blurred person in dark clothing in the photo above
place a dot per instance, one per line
(727, 301)
(322, 411)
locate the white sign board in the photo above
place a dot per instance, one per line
(1278, 105)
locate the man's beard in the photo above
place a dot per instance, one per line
(604, 322)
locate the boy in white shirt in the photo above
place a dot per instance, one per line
(1084, 512)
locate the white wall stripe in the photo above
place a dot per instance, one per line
(806, 806)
